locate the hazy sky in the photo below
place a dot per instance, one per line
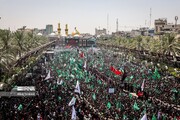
(86, 15)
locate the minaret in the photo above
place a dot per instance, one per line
(59, 30)
(66, 30)
(59, 34)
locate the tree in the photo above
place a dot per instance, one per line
(139, 40)
(5, 36)
(6, 62)
(20, 40)
(170, 45)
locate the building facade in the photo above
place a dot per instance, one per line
(161, 26)
(49, 29)
(99, 32)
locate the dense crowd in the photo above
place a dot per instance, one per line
(91, 67)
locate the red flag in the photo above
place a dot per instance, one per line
(140, 94)
(81, 54)
(112, 68)
(117, 72)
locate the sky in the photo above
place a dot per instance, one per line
(86, 15)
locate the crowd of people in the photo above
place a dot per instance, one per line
(138, 89)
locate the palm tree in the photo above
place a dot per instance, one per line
(139, 40)
(170, 45)
(7, 53)
(20, 40)
(6, 62)
(5, 37)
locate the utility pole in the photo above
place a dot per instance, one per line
(150, 19)
(0, 18)
(107, 23)
(176, 19)
(117, 25)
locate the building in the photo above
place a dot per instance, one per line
(42, 31)
(25, 30)
(36, 31)
(49, 29)
(151, 32)
(161, 26)
(145, 31)
(135, 33)
(118, 34)
(99, 32)
(121, 34)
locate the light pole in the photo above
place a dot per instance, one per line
(0, 17)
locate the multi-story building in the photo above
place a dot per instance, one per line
(135, 33)
(100, 31)
(49, 29)
(42, 31)
(118, 34)
(161, 26)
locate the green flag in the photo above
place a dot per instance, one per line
(92, 87)
(117, 117)
(52, 67)
(119, 105)
(174, 90)
(131, 77)
(99, 82)
(130, 96)
(124, 117)
(108, 105)
(175, 118)
(156, 74)
(154, 117)
(164, 117)
(49, 85)
(58, 72)
(94, 96)
(20, 107)
(54, 87)
(135, 106)
(59, 98)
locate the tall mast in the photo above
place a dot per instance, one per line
(107, 23)
(150, 19)
(117, 25)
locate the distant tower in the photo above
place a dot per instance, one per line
(176, 19)
(150, 19)
(66, 30)
(59, 30)
(117, 25)
(107, 23)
